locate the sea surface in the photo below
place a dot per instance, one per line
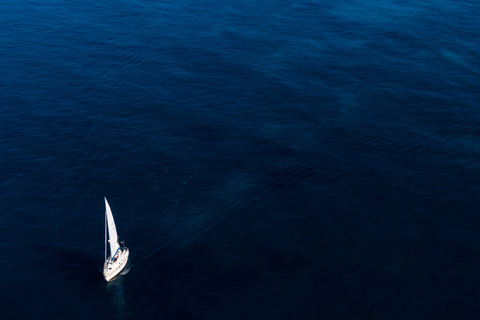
(263, 159)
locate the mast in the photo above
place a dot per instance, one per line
(105, 235)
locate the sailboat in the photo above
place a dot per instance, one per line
(117, 260)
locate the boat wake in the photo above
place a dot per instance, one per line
(125, 270)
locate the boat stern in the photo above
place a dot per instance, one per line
(113, 268)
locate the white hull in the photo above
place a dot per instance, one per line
(112, 268)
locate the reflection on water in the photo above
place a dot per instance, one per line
(116, 295)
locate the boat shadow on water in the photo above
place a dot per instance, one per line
(74, 265)
(84, 272)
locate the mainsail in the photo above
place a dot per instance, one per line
(112, 231)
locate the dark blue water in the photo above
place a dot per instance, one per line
(263, 159)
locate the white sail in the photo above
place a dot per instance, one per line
(112, 231)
